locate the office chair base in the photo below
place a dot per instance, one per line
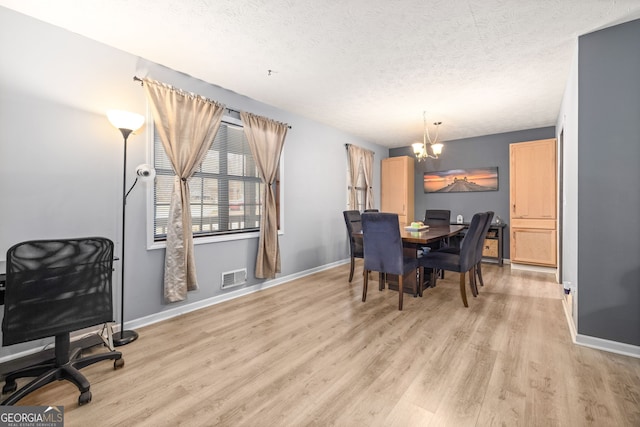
(124, 338)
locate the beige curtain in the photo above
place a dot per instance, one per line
(266, 139)
(367, 169)
(360, 158)
(187, 124)
(354, 158)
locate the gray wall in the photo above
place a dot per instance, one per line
(482, 151)
(61, 163)
(609, 178)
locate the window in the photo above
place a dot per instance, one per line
(225, 191)
(359, 174)
(361, 191)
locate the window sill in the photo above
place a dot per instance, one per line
(213, 239)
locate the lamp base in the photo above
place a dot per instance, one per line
(124, 338)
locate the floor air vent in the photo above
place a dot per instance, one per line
(234, 278)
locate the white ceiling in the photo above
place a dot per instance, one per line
(368, 67)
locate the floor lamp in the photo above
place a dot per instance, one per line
(127, 123)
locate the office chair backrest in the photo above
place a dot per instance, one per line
(382, 243)
(437, 217)
(56, 286)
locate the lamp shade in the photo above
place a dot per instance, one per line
(145, 172)
(125, 120)
(437, 148)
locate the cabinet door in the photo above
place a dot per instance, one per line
(533, 179)
(392, 188)
(533, 246)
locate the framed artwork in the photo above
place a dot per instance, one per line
(461, 180)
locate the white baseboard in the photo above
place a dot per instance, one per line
(597, 343)
(610, 346)
(527, 267)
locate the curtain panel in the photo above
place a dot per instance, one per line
(367, 169)
(187, 124)
(359, 157)
(266, 139)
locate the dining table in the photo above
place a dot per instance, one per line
(413, 240)
(431, 234)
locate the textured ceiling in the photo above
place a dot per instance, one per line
(368, 67)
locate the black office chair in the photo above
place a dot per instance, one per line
(55, 287)
(371, 210)
(462, 262)
(353, 222)
(383, 251)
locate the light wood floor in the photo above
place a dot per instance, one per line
(309, 352)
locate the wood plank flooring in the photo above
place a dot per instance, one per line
(311, 353)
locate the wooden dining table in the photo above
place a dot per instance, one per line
(432, 234)
(413, 241)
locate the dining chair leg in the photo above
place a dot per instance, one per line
(475, 279)
(435, 274)
(365, 283)
(479, 273)
(463, 290)
(420, 284)
(353, 262)
(400, 291)
(472, 283)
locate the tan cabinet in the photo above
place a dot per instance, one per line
(531, 245)
(533, 202)
(397, 185)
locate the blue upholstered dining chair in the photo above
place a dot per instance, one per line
(353, 222)
(437, 217)
(477, 266)
(462, 262)
(383, 250)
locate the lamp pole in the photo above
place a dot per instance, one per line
(123, 337)
(127, 123)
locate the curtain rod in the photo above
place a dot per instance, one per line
(138, 79)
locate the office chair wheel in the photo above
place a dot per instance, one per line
(119, 363)
(9, 387)
(84, 398)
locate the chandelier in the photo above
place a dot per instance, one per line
(433, 149)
